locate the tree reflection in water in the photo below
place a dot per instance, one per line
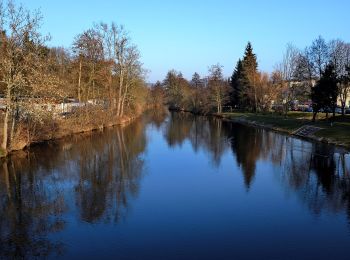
(109, 173)
(203, 133)
(98, 175)
(104, 169)
(31, 206)
(318, 173)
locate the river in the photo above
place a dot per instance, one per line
(176, 186)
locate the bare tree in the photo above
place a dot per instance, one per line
(22, 65)
(318, 53)
(126, 67)
(177, 90)
(89, 47)
(157, 95)
(218, 87)
(287, 69)
(266, 91)
(34, 78)
(340, 57)
(133, 73)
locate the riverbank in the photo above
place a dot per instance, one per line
(71, 125)
(335, 131)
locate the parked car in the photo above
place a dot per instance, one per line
(326, 110)
(309, 109)
(338, 110)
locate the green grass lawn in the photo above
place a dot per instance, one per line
(338, 132)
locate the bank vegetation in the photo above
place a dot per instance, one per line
(48, 92)
(316, 79)
(311, 83)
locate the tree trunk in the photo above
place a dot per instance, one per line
(119, 99)
(314, 116)
(6, 119)
(123, 100)
(93, 84)
(285, 110)
(5, 131)
(93, 92)
(111, 96)
(343, 108)
(255, 100)
(122, 106)
(13, 125)
(79, 82)
(88, 92)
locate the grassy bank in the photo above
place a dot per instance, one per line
(334, 130)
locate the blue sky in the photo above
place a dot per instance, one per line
(191, 35)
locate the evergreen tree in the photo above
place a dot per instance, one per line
(249, 60)
(196, 80)
(325, 93)
(236, 84)
(248, 82)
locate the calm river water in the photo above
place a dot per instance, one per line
(176, 186)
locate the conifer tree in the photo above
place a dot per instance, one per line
(324, 94)
(250, 72)
(236, 81)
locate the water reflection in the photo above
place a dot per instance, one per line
(317, 172)
(109, 170)
(103, 169)
(320, 177)
(203, 133)
(96, 177)
(31, 206)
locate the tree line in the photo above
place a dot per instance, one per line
(101, 71)
(319, 73)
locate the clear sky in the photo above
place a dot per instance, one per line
(190, 35)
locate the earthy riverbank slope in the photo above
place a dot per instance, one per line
(65, 126)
